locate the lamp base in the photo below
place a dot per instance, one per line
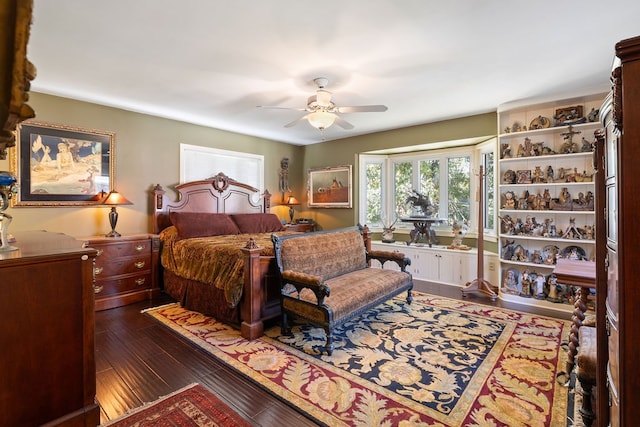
(113, 220)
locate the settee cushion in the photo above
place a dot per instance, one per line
(360, 288)
(327, 255)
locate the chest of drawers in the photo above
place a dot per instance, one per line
(304, 227)
(126, 269)
(47, 332)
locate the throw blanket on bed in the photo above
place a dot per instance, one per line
(215, 260)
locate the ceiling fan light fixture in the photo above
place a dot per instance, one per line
(323, 98)
(321, 119)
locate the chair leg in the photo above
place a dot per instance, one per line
(329, 346)
(409, 297)
(285, 329)
(588, 416)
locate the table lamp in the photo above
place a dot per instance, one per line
(114, 199)
(291, 202)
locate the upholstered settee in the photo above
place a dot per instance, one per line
(326, 278)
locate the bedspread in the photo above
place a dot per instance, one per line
(214, 260)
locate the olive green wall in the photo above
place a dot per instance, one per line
(345, 152)
(147, 153)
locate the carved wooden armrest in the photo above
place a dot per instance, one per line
(384, 256)
(302, 280)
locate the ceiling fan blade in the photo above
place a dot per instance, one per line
(296, 121)
(273, 107)
(362, 109)
(343, 123)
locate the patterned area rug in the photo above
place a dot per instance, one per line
(191, 406)
(436, 362)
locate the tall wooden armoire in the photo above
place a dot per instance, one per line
(618, 274)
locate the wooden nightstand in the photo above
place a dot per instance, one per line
(126, 269)
(304, 227)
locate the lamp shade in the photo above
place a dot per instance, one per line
(321, 119)
(115, 198)
(292, 201)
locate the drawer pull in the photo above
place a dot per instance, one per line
(140, 281)
(98, 270)
(100, 251)
(140, 247)
(140, 264)
(98, 289)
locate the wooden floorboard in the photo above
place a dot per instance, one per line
(139, 360)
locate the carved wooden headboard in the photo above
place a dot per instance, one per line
(218, 194)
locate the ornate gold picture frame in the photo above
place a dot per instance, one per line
(60, 165)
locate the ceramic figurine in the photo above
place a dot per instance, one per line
(8, 188)
(526, 284)
(540, 287)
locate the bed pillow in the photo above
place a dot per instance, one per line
(200, 224)
(251, 223)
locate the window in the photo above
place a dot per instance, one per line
(448, 177)
(371, 203)
(447, 192)
(458, 186)
(198, 162)
(487, 160)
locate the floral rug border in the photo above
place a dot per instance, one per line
(230, 347)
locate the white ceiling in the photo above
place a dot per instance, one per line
(213, 62)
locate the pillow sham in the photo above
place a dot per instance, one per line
(201, 224)
(257, 223)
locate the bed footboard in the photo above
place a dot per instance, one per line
(261, 297)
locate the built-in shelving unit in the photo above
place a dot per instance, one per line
(546, 195)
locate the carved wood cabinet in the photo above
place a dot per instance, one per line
(618, 269)
(127, 269)
(47, 353)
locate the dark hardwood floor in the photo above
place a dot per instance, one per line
(138, 360)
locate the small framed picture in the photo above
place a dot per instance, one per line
(330, 187)
(524, 177)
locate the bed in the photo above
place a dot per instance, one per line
(194, 229)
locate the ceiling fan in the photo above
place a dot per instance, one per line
(323, 112)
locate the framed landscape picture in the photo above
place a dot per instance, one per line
(62, 166)
(330, 187)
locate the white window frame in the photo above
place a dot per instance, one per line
(364, 160)
(475, 153)
(483, 149)
(197, 162)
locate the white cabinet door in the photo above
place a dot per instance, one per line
(417, 267)
(431, 266)
(438, 265)
(446, 267)
(465, 269)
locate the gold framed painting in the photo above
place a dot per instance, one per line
(330, 187)
(59, 165)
